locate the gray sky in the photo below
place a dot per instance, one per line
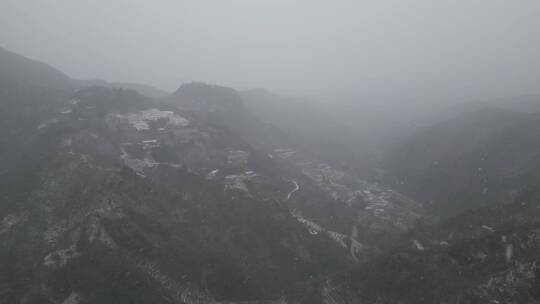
(382, 49)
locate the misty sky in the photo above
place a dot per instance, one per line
(379, 49)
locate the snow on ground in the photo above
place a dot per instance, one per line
(284, 153)
(237, 158)
(212, 174)
(73, 298)
(331, 294)
(322, 172)
(139, 165)
(418, 245)
(356, 247)
(339, 238)
(47, 123)
(390, 206)
(52, 234)
(315, 229)
(150, 144)
(237, 181)
(329, 179)
(135, 164)
(380, 202)
(312, 227)
(488, 228)
(141, 119)
(10, 221)
(74, 101)
(379, 199)
(182, 291)
(60, 257)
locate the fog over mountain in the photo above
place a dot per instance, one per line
(368, 51)
(269, 152)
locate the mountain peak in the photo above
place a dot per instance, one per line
(18, 70)
(208, 93)
(212, 103)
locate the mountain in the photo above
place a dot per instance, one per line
(113, 196)
(311, 126)
(481, 158)
(19, 71)
(227, 108)
(520, 104)
(142, 89)
(269, 122)
(371, 216)
(16, 70)
(121, 189)
(488, 255)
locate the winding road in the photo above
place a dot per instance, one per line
(296, 188)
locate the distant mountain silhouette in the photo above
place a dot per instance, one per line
(480, 158)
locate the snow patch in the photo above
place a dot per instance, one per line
(418, 245)
(183, 292)
(312, 227)
(338, 238)
(236, 182)
(490, 229)
(141, 119)
(285, 153)
(54, 232)
(9, 221)
(237, 157)
(74, 101)
(212, 174)
(73, 298)
(47, 123)
(60, 257)
(137, 165)
(315, 229)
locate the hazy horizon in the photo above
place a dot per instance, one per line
(396, 50)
